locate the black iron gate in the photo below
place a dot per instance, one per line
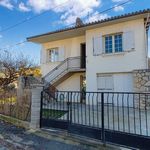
(115, 117)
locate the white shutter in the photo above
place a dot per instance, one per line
(61, 53)
(43, 55)
(109, 82)
(97, 45)
(128, 41)
(105, 82)
(100, 82)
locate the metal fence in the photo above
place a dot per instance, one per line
(14, 106)
(116, 111)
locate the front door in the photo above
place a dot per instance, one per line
(83, 55)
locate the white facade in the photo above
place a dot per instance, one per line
(71, 48)
(119, 66)
(122, 63)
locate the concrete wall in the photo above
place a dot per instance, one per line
(115, 63)
(71, 49)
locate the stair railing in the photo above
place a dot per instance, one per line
(67, 65)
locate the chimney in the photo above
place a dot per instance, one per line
(79, 22)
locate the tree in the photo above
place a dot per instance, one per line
(13, 66)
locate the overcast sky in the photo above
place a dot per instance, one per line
(58, 14)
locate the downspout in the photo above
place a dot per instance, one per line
(146, 40)
(147, 48)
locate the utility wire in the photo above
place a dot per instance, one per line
(28, 19)
(10, 46)
(106, 10)
(36, 16)
(121, 4)
(70, 25)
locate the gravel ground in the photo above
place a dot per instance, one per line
(13, 138)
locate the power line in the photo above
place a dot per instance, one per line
(121, 4)
(28, 19)
(10, 46)
(36, 16)
(106, 10)
(74, 23)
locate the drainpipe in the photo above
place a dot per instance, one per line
(146, 39)
(146, 46)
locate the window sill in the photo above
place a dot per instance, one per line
(112, 54)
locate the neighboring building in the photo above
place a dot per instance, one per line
(101, 55)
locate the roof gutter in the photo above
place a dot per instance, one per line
(80, 30)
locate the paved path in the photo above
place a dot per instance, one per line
(13, 138)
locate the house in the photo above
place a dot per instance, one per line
(98, 56)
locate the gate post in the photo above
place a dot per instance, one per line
(102, 117)
(70, 107)
(36, 106)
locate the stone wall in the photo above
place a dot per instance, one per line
(142, 85)
(142, 80)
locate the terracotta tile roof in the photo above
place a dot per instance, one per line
(96, 22)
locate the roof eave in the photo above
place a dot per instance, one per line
(80, 30)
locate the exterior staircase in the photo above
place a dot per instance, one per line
(62, 72)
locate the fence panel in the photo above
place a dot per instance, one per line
(128, 113)
(13, 106)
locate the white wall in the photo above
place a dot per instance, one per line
(113, 63)
(71, 49)
(71, 84)
(123, 62)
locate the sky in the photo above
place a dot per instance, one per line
(53, 15)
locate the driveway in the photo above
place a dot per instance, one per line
(13, 138)
(116, 118)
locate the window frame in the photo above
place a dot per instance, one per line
(113, 43)
(50, 59)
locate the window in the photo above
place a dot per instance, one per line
(113, 43)
(118, 42)
(105, 82)
(53, 55)
(108, 44)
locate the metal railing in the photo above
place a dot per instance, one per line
(117, 111)
(69, 64)
(118, 117)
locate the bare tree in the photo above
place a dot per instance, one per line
(12, 66)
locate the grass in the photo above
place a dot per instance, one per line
(14, 121)
(11, 100)
(54, 114)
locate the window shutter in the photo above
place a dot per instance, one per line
(43, 55)
(97, 45)
(109, 82)
(128, 41)
(61, 53)
(105, 82)
(101, 82)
